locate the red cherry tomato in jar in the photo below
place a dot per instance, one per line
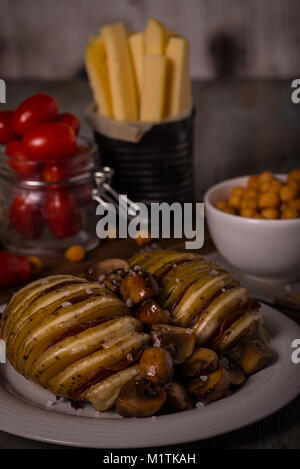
(6, 129)
(20, 162)
(15, 270)
(60, 171)
(71, 120)
(25, 215)
(55, 172)
(62, 214)
(50, 142)
(35, 110)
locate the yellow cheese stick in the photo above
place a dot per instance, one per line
(96, 67)
(137, 48)
(179, 85)
(155, 38)
(120, 69)
(153, 88)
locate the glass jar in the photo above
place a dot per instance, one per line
(45, 207)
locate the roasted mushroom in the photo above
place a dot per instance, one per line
(180, 342)
(236, 373)
(202, 361)
(140, 399)
(254, 355)
(109, 272)
(151, 313)
(103, 267)
(137, 286)
(211, 387)
(178, 397)
(156, 365)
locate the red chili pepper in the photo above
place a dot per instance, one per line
(14, 270)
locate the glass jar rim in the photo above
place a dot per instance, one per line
(84, 176)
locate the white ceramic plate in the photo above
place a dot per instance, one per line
(26, 410)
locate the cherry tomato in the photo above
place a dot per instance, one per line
(55, 172)
(62, 214)
(15, 270)
(50, 142)
(25, 215)
(20, 162)
(6, 130)
(71, 120)
(35, 110)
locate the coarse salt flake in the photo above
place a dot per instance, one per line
(65, 304)
(200, 404)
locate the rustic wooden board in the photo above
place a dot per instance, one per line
(124, 249)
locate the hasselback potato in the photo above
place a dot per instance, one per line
(202, 296)
(84, 340)
(68, 334)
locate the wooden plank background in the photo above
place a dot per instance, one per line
(230, 38)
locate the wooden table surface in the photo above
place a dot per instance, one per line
(280, 431)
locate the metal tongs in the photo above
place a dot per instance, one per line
(104, 194)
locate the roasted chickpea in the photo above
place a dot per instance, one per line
(270, 213)
(295, 203)
(268, 200)
(287, 192)
(266, 176)
(294, 183)
(295, 174)
(249, 203)
(238, 191)
(282, 207)
(247, 212)
(290, 213)
(253, 182)
(221, 204)
(234, 201)
(265, 186)
(250, 193)
(229, 210)
(275, 186)
(156, 365)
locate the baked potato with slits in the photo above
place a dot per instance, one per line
(84, 340)
(201, 296)
(69, 334)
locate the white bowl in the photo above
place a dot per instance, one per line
(268, 249)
